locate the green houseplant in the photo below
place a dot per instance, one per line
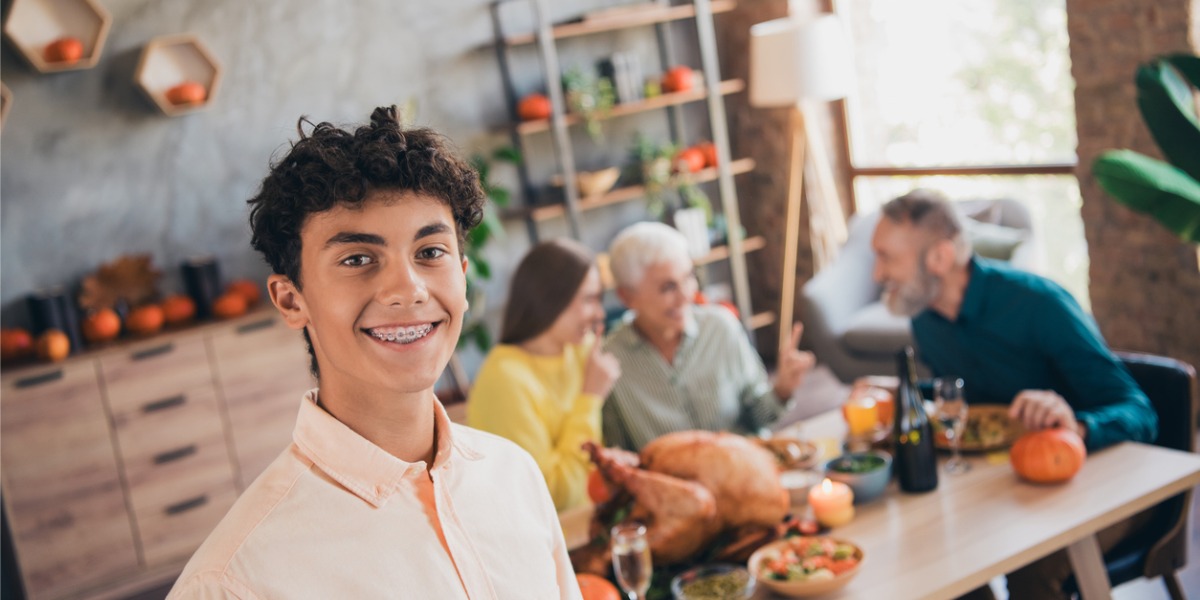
(1168, 191)
(475, 331)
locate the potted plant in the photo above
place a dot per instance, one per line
(1167, 191)
(475, 331)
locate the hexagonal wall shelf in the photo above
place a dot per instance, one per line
(58, 35)
(5, 103)
(178, 74)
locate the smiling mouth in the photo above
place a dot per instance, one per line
(402, 335)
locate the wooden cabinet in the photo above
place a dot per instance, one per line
(62, 487)
(118, 463)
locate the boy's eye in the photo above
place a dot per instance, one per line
(431, 253)
(358, 260)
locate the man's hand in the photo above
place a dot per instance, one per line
(793, 365)
(1043, 409)
(602, 368)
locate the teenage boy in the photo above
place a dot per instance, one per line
(379, 495)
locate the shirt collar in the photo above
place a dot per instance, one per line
(359, 465)
(976, 292)
(629, 336)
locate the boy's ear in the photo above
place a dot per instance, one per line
(288, 300)
(466, 261)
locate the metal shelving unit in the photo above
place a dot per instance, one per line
(659, 15)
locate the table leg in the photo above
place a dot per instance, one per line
(1090, 574)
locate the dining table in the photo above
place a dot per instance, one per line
(985, 522)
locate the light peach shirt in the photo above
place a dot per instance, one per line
(337, 517)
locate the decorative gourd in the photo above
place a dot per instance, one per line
(145, 320)
(1048, 456)
(595, 587)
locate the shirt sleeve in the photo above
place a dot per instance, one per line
(1106, 399)
(760, 405)
(504, 401)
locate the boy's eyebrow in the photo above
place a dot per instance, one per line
(432, 229)
(355, 237)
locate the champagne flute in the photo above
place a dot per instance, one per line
(951, 412)
(631, 559)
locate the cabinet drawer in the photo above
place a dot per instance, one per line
(171, 526)
(154, 372)
(68, 518)
(184, 441)
(262, 372)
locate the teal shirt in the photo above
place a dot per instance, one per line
(1018, 331)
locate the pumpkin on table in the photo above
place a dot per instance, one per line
(1048, 456)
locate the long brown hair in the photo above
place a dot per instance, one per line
(542, 287)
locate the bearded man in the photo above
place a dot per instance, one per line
(1015, 338)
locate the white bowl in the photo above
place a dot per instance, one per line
(800, 589)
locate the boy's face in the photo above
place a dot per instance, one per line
(384, 293)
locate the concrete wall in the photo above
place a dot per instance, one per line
(1144, 281)
(90, 170)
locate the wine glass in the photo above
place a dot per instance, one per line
(951, 412)
(631, 559)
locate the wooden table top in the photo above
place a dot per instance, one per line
(986, 522)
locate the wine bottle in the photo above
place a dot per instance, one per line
(916, 462)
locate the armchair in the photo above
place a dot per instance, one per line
(845, 322)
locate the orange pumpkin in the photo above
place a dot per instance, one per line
(245, 288)
(597, 488)
(595, 587)
(677, 79)
(533, 107)
(15, 343)
(690, 160)
(178, 309)
(229, 305)
(1048, 456)
(101, 326)
(145, 320)
(53, 345)
(188, 92)
(709, 150)
(66, 50)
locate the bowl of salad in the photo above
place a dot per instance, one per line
(867, 473)
(803, 566)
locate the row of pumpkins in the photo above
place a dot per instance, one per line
(104, 325)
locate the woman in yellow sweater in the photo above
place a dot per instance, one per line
(544, 384)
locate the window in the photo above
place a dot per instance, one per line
(974, 99)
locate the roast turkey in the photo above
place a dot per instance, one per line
(690, 486)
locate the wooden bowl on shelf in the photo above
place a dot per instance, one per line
(596, 183)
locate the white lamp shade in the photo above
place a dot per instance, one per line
(793, 60)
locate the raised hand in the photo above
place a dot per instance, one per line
(794, 364)
(602, 369)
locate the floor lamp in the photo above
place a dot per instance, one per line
(794, 61)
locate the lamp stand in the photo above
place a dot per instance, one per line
(791, 241)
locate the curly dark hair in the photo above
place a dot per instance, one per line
(332, 166)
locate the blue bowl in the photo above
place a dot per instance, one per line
(867, 484)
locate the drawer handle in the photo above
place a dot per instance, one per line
(164, 404)
(152, 352)
(186, 505)
(173, 455)
(40, 379)
(255, 326)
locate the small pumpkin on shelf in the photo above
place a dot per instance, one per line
(178, 309)
(229, 305)
(101, 325)
(53, 345)
(65, 50)
(186, 94)
(145, 320)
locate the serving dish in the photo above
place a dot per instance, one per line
(989, 428)
(827, 578)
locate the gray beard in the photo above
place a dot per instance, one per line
(913, 297)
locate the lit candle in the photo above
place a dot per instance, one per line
(832, 503)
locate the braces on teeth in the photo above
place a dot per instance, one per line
(404, 336)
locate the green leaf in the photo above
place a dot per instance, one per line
(499, 195)
(507, 154)
(1152, 187)
(1167, 106)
